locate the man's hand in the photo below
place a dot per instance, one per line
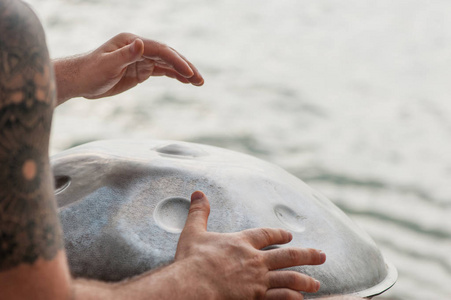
(217, 266)
(233, 266)
(118, 65)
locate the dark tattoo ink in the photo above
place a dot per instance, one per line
(29, 224)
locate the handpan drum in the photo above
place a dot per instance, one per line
(124, 203)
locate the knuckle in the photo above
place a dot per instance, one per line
(292, 279)
(125, 36)
(240, 241)
(240, 237)
(196, 209)
(266, 235)
(285, 235)
(162, 47)
(293, 254)
(257, 260)
(200, 207)
(309, 256)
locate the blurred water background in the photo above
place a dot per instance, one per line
(351, 96)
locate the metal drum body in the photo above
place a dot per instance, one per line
(123, 204)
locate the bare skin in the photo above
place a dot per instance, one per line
(121, 63)
(33, 262)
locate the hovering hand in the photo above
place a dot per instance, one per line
(118, 65)
(233, 266)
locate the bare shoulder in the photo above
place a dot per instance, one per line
(29, 227)
(22, 38)
(18, 14)
(24, 59)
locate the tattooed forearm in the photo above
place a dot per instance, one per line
(29, 225)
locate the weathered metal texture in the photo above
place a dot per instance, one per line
(123, 204)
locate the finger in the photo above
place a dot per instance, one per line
(158, 51)
(147, 68)
(159, 71)
(292, 280)
(264, 237)
(286, 294)
(118, 41)
(196, 79)
(199, 211)
(169, 72)
(290, 257)
(128, 54)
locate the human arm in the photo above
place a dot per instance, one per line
(118, 65)
(33, 263)
(32, 259)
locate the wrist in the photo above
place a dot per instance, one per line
(67, 77)
(193, 281)
(91, 290)
(178, 280)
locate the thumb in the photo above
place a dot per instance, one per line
(199, 211)
(129, 53)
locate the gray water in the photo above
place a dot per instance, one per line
(350, 96)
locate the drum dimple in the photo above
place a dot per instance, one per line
(171, 213)
(289, 218)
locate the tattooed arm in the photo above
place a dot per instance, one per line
(32, 259)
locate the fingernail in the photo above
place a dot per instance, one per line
(192, 73)
(323, 256)
(197, 195)
(189, 74)
(317, 285)
(200, 83)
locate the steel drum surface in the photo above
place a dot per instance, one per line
(123, 205)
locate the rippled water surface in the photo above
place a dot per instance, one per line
(353, 97)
